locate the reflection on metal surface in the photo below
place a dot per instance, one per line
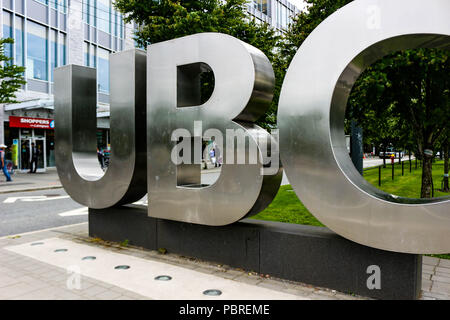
(311, 119)
(244, 83)
(75, 112)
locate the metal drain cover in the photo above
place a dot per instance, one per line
(123, 267)
(89, 258)
(212, 292)
(163, 278)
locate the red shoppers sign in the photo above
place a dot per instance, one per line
(26, 122)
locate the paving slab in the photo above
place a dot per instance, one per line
(38, 272)
(41, 273)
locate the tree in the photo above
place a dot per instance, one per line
(382, 127)
(445, 143)
(166, 19)
(414, 85)
(11, 76)
(403, 97)
(305, 22)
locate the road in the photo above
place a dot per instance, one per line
(30, 211)
(373, 162)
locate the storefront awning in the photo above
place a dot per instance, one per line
(31, 104)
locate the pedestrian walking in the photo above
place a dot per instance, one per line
(34, 158)
(218, 155)
(3, 162)
(212, 156)
(101, 158)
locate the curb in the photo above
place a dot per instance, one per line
(41, 230)
(31, 189)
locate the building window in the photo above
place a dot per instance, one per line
(121, 26)
(53, 52)
(115, 23)
(37, 55)
(19, 40)
(283, 15)
(93, 58)
(56, 4)
(89, 55)
(89, 12)
(7, 33)
(103, 16)
(103, 70)
(100, 14)
(86, 54)
(62, 49)
(261, 6)
(62, 5)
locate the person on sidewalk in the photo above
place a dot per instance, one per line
(3, 162)
(34, 158)
(101, 158)
(212, 156)
(218, 155)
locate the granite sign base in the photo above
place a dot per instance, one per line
(311, 255)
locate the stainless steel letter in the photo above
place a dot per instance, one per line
(311, 120)
(75, 132)
(244, 82)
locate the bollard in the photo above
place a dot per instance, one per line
(403, 167)
(392, 171)
(379, 176)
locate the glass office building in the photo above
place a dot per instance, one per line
(277, 13)
(53, 33)
(50, 34)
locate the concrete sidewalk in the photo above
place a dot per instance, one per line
(58, 264)
(31, 181)
(48, 264)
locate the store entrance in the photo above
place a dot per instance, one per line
(26, 153)
(25, 156)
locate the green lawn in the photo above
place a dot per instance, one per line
(408, 185)
(286, 207)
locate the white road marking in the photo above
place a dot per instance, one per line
(14, 199)
(186, 284)
(33, 198)
(77, 212)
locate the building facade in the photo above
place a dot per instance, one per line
(277, 13)
(52, 33)
(49, 34)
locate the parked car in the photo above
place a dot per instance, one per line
(388, 154)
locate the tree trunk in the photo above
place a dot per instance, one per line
(446, 187)
(427, 177)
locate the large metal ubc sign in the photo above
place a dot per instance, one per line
(158, 123)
